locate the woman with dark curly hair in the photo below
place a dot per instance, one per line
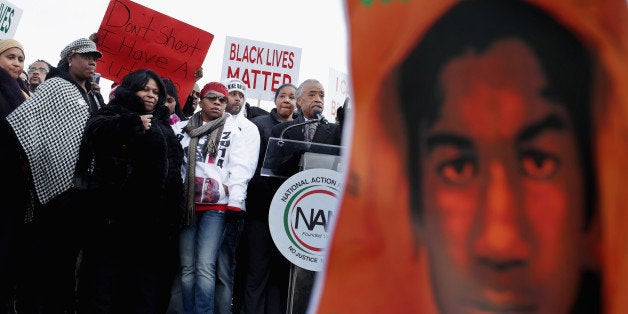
(130, 255)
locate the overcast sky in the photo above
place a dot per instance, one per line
(317, 27)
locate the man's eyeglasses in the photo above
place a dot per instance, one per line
(213, 97)
(40, 70)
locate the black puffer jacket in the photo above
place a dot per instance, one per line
(138, 172)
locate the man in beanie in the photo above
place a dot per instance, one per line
(216, 172)
(227, 255)
(236, 85)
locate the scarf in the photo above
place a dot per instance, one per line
(196, 129)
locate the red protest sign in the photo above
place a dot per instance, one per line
(133, 37)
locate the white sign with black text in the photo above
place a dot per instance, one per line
(9, 17)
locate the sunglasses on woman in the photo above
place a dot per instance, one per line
(213, 97)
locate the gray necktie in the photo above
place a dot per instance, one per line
(310, 129)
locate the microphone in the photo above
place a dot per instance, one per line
(294, 126)
(319, 116)
(315, 112)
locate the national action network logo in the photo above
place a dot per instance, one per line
(301, 216)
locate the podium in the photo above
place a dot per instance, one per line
(286, 160)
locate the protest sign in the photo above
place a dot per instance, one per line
(338, 90)
(133, 37)
(9, 17)
(261, 66)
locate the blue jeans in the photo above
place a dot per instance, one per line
(199, 252)
(226, 266)
(176, 300)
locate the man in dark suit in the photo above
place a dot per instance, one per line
(311, 98)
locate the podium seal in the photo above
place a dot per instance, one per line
(302, 214)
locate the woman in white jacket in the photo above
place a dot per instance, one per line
(215, 186)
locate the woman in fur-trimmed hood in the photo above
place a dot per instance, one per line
(138, 199)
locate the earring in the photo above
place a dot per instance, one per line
(70, 64)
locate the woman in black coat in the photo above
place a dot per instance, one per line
(130, 256)
(12, 93)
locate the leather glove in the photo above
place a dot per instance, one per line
(232, 216)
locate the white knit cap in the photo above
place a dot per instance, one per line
(235, 84)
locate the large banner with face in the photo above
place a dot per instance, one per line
(133, 37)
(488, 164)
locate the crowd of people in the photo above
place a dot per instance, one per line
(139, 204)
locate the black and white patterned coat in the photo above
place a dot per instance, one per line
(49, 126)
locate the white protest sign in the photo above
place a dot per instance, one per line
(339, 89)
(262, 66)
(301, 216)
(9, 17)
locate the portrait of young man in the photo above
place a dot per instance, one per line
(496, 98)
(498, 185)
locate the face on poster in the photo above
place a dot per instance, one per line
(497, 190)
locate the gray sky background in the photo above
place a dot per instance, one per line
(317, 27)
